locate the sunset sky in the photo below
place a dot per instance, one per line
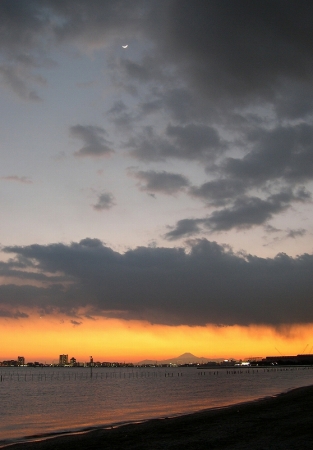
(156, 199)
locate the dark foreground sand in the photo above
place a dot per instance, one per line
(283, 422)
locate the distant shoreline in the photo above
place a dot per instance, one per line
(283, 421)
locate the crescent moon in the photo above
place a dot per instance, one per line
(125, 46)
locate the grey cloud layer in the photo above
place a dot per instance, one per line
(93, 137)
(226, 85)
(244, 213)
(284, 153)
(29, 28)
(210, 284)
(190, 142)
(226, 51)
(105, 201)
(165, 182)
(247, 50)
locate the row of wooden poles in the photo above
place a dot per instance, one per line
(141, 374)
(84, 375)
(260, 370)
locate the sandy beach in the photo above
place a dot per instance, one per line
(282, 422)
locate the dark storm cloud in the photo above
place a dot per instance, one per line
(244, 213)
(218, 192)
(10, 270)
(242, 65)
(47, 298)
(245, 49)
(231, 56)
(239, 51)
(13, 314)
(196, 141)
(93, 137)
(234, 53)
(105, 201)
(220, 53)
(281, 156)
(185, 228)
(247, 212)
(190, 142)
(283, 153)
(208, 284)
(165, 182)
(294, 101)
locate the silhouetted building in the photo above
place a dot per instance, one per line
(10, 363)
(285, 360)
(20, 361)
(73, 361)
(63, 360)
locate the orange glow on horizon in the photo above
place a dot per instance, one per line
(44, 339)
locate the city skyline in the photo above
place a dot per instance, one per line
(186, 359)
(156, 177)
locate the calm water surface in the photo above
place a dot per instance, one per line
(36, 401)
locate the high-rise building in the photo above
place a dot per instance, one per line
(73, 361)
(20, 361)
(63, 360)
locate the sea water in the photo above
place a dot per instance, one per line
(42, 401)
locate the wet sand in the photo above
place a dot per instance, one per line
(282, 422)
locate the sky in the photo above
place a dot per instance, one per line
(156, 199)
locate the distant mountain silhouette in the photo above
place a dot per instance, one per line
(185, 358)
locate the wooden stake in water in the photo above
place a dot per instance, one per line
(91, 364)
